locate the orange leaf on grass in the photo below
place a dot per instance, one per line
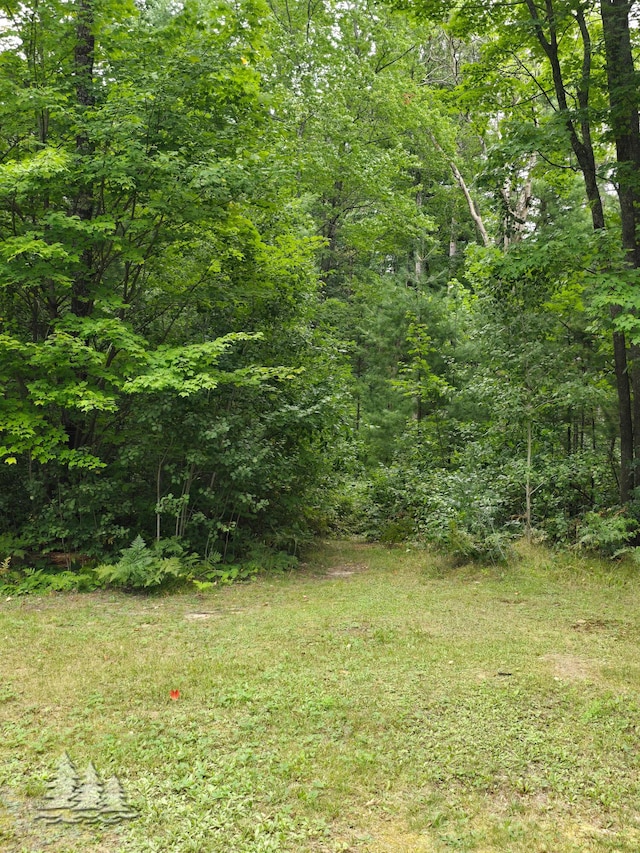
(174, 694)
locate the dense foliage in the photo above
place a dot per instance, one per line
(270, 270)
(161, 371)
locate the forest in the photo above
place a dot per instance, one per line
(274, 270)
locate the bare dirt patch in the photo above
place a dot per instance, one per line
(346, 570)
(200, 615)
(589, 626)
(195, 617)
(570, 667)
(398, 839)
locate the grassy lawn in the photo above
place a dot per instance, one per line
(375, 700)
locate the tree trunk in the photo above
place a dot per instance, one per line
(418, 255)
(473, 209)
(581, 144)
(528, 491)
(623, 104)
(82, 204)
(81, 296)
(624, 411)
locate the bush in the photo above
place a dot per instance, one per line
(606, 532)
(454, 510)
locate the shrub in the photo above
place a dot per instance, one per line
(606, 532)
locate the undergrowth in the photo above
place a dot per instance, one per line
(164, 565)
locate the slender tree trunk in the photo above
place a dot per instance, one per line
(83, 208)
(418, 256)
(158, 499)
(82, 202)
(473, 209)
(528, 492)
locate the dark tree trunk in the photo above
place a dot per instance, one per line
(624, 412)
(81, 297)
(623, 104)
(83, 202)
(581, 144)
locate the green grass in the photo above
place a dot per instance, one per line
(364, 712)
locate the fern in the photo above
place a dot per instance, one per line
(141, 568)
(29, 581)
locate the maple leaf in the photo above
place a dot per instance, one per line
(174, 694)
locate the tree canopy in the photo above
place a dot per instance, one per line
(275, 269)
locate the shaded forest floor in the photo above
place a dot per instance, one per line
(376, 700)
